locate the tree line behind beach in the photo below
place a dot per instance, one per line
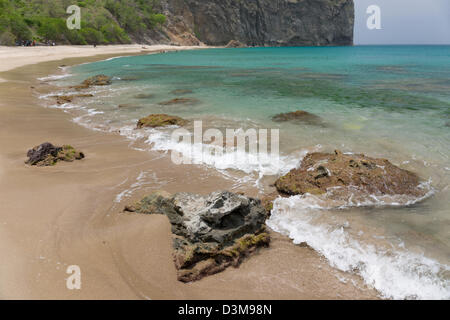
(102, 21)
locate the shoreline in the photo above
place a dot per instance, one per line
(65, 215)
(20, 56)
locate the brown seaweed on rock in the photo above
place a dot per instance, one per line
(98, 80)
(160, 120)
(320, 172)
(210, 233)
(69, 98)
(47, 154)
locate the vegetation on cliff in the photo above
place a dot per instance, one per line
(103, 21)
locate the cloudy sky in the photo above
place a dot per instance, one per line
(404, 22)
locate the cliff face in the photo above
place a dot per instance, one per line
(258, 22)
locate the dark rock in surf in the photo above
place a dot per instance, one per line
(69, 98)
(47, 154)
(210, 233)
(320, 172)
(98, 80)
(160, 120)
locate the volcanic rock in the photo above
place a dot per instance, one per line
(47, 154)
(160, 120)
(210, 233)
(298, 116)
(321, 172)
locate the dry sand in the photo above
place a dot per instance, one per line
(14, 57)
(64, 215)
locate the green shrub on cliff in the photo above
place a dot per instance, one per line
(103, 21)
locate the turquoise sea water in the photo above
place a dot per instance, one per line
(388, 101)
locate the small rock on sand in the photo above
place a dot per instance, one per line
(47, 154)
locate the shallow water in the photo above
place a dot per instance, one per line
(389, 102)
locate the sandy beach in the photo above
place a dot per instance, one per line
(14, 57)
(65, 215)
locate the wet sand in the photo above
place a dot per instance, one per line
(64, 215)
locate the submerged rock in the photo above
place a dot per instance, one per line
(298, 116)
(144, 96)
(160, 120)
(210, 233)
(98, 80)
(349, 173)
(128, 106)
(129, 78)
(69, 98)
(179, 101)
(178, 92)
(47, 154)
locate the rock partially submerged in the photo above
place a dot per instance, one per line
(69, 98)
(210, 233)
(349, 173)
(144, 96)
(178, 92)
(179, 101)
(160, 120)
(47, 154)
(98, 80)
(129, 106)
(298, 116)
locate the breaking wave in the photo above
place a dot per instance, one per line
(395, 273)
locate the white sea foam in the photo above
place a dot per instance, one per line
(144, 179)
(128, 192)
(395, 273)
(55, 77)
(210, 155)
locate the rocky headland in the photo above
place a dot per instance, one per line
(256, 22)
